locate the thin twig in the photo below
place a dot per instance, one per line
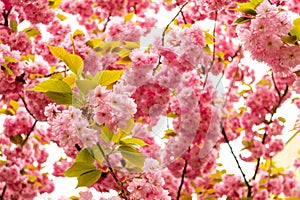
(28, 134)
(105, 25)
(182, 179)
(237, 162)
(3, 193)
(111, 171)
(5, 16)
(182, 15)
(269, 122)
(48, 75)
(164, 34)
(214, 49)
(26, 107)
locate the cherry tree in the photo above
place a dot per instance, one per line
(97, 93)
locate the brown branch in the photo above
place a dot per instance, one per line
(3, 193)
(48, 75)
(105, 24)
(5, 17)
(182, 15)
(164, 34)
(269, 122)
(26, 107)
(237, 162)
(123, 192)
(182, 179)
(29, 133)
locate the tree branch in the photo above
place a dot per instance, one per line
(26, 107)
(269, 122)
(3, 193)
(237, 162)
(123, 192)
(182, 179)
(5, 17)
(28, 134)
(164, 34)
(182, 15)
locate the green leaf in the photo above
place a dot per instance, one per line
(86, 85)
(13, 25)
(60, 98)
(134, 141)
(282, 119)
(97, 153)
(106, 47)
(132, 155)
(108, 134)
(31, 32)
(74, 62)
(54, 3)
(7, 111)
(14, 104)
(107, 77)
(58, 52)
(79, 168)
(289, 39)
(85, 156)
(52, 85)
(95, 42)
(56, 90)
(248, 7)
(129, 126)
(128, 16)
(242, 20)
(296, 32)
(9, 71)
(89, 178)
(61, 17)
(10, 59)
(17, 139)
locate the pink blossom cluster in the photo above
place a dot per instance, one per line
(71, 128)
(112, 109)
(150, 185)
(263, 38)
(18, 41)
(184, 49)
(11, 79)
(20, 168)
(35, 11)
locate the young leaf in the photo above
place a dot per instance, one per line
(289, 39)
(61, 17)
(54, 3)
(86, 85)
(9, 71)
(132, 155)
(107, 77)
(97, 154)
(128, 16)
(79, 168)
(84, 156)
(17, 139)
(241, 20)
(89, 178)
(134, 141)
(13, 25)
(52, 85)
(60, 98)
(74, 62)
(31, 32)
